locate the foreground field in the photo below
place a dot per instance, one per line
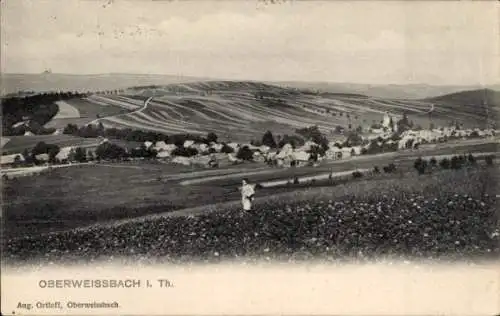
(446, 215)
(71, 197)
(17, 144)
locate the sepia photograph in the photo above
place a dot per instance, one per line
(243, 133)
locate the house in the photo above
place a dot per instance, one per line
(307, 146)
(286, 151)
(63, 154)
(233, 159)
(264, 149)
(148, 144)
(216, 147)
(202, 148)
(182, 160)
(347, 152)
(11, 160)
(301, 158)
(334, 153)
(188, 143)
(164, 154)
(234, 146)
(42, 157)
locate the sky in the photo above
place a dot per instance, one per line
(380, 42)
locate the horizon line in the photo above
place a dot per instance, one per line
(253, 80)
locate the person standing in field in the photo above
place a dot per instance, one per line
(247, 194)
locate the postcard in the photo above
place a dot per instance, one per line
(250, 157)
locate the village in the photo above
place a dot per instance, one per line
(390, 136)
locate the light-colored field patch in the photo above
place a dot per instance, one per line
(66, 111)
(4, 141)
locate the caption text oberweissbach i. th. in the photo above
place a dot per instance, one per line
(102, 283)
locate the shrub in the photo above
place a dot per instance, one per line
(376, 169)
(420, 165)
(390, 168)
(445, 163)
(227, 149)
(433, 162)
(268, 140)
(185, 152)
(296, 180)
(244, 153)
(211, 137)
(455, 163)
(471, 159)
(489, 160)
(357, 174)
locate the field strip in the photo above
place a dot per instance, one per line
(227, 176)
(66, 110)
(449, 156)
(4, 141)
(322, 176)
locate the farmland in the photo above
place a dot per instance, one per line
(235, 110)
(85, 110)
(106, 192)
(445, 215)
(17, 144)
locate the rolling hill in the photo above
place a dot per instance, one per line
(243, 110)
(483, 104)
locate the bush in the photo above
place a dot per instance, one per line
(244, 153)
(445, 163)
(455, 163)
(471, 159)
(489, 160)
(268, 140)
(420, 165)
(376, 169)
(211, 137)
(433, 162)
(296, 180)
(390, 168)
(185, 152)
(357, 174)
(226, 149)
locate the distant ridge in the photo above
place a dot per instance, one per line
(479, 97)
(46, 82)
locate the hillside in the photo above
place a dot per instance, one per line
(389, 91)
(14, 83)
(483, 103)
(243, 110)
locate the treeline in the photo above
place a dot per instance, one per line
(38, 109)
(128, 134)
(456, 162)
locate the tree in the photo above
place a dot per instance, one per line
(226, 149)
(71, 129)
(455, 163)
(80, 155)
(489, 160)
(353, 139)
(185, 152)
(420, 165)
(244, 153)
(445, 163)
(109, 151)
(53, 151)
(471, 159)
(268, 140)
(433, 162)
(212, 137)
